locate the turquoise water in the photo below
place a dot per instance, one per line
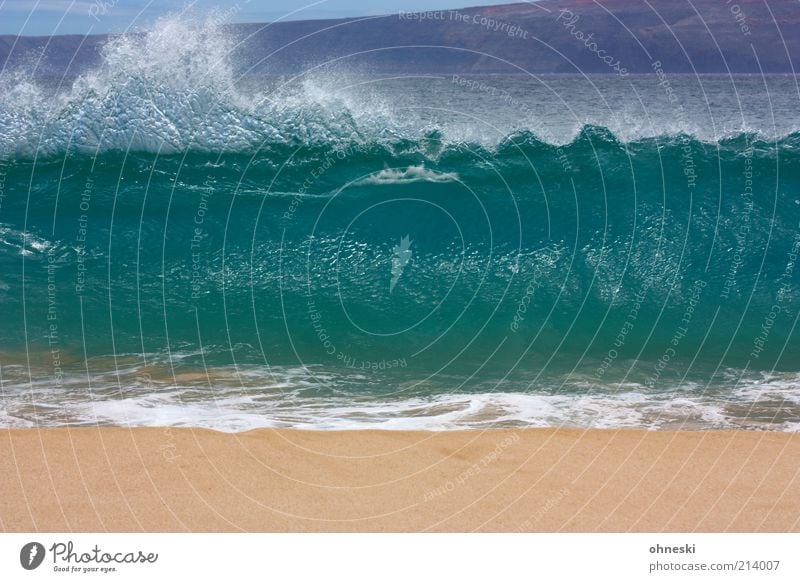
(198, 249)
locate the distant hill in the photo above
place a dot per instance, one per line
(550, 36)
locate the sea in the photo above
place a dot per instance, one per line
(185, 244)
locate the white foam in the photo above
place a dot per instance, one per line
(26, 243)
(408, 175)
(233, 400)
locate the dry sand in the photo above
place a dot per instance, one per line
(116, 479)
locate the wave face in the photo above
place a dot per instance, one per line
(172, 236)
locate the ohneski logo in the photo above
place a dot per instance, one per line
(31, 555)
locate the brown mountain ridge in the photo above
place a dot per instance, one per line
(549, 36)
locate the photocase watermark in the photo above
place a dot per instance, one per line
(100, 8)
(625, 329)
(664, 82)
(422, 16)
(349, 361)
(532, 120)
(84, 204)
(2, 184)
(522, 307)
(680, 333)
(568, 20)
(687, 156)
(32, 555)
(478, 19)
(332, 158)
(760, 341)
(743, 231)
(224, 16)
(356, 364)
(95, 560)
(317, 324)
(198, 277)
(473, 470)
(168, 449)
(510, 30)
(740, 17)
(52, 335)
(786, 285)
(67, 559)
(784, 288)
(548, 506)
(402, 256)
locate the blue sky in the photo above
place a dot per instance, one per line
(45, 17)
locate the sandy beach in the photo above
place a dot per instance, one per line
(159, 480)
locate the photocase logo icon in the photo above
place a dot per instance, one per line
(31, 555)
(402, 255)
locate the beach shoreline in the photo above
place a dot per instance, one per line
(526, 480)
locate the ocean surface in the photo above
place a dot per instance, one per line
(182, 244)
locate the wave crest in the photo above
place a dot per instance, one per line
(177, 88)
(165, 91)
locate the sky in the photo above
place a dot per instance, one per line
(47, 17)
